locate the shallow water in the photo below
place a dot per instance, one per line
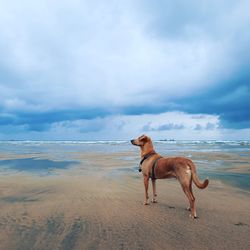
(33, 165)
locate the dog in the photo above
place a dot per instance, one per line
(154, 166)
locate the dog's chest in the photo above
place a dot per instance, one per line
(146, 167)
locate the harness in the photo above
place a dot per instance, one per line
(152, 173)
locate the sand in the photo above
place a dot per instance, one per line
(102, 209)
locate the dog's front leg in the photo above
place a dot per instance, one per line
(154, 200)
(146, 180)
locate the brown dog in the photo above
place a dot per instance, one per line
(155, 167)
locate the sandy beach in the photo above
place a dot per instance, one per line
(97, 204)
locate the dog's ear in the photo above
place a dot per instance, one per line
(143, 138)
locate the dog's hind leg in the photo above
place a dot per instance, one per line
(191, 191)
(188, 192)
(154, 200)
(185, 179)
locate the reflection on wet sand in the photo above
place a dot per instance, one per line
(34, 165)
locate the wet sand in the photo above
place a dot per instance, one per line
(97, 204)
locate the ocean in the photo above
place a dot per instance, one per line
(226, 161)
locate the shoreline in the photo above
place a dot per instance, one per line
(224, 166)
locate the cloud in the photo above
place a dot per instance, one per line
(39, 121)
(210, 126)
(168, 126)
(125, 127)
(112, 127)
(65, 62)
(228, 100)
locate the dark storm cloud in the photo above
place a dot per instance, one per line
(229, 100)
(42, 121)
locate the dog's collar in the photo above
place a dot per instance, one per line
(145, 157)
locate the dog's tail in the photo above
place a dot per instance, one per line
(195, 178)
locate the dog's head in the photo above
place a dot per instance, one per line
(141, 141)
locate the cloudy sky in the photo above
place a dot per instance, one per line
(116, 69)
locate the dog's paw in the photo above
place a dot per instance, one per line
(193, 216)
(154, 201)
(146, 203)
(188, 208)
